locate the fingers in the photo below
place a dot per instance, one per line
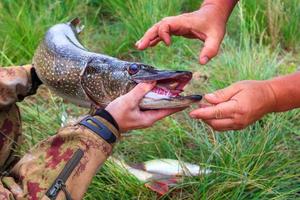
(164, 33)
(139, 91)
(154, 42)
(157, 33)
(220, 111)
(222, 95)
(149, 36)
(161, 31)
(210, 49)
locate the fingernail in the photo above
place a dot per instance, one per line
(137, 44)
(204, 60)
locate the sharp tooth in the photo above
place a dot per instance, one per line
(173, 85)
(154, 95)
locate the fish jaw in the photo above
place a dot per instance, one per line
(166, 93)
(169, 103)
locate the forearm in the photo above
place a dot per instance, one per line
(225, 6)
(64, 163)
(286, 90)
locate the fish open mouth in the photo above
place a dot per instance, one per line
(169, 87)
(166, 93)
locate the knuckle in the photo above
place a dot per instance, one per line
(218, 113)
(240, 110)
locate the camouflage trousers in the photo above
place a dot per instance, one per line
(60, 167)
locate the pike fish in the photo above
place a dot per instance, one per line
(87, 79)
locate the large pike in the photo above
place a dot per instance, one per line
(86, 78)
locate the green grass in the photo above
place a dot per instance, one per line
(260, 162)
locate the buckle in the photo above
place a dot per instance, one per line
(100, 129)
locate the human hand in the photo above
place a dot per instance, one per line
(237, 106)
(126, 112)
(207, 24)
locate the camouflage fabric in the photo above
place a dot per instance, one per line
(35, 174)
(10, 135)
(15, 84)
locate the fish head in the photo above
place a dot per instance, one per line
(169, 85)
(104, 84)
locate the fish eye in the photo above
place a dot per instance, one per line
(133, 69)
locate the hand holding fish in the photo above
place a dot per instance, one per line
(207, 24)
(126, 111)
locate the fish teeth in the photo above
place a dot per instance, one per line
(154, 95)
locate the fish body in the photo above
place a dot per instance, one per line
(161, 174)
(87, 78)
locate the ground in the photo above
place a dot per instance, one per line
(262, 41)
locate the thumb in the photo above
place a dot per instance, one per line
(139, 91)
(222, 95)
(210, 49)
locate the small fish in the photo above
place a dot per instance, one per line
(92, 79)
(173, 167)
(160, 174)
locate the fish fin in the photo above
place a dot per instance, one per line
(158, 187)
(162, 186)
(76, 24)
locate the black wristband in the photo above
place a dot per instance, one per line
(106, 115)
(99, 128)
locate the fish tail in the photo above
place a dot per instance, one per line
(162, 186)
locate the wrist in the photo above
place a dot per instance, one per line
(101, 127)
(107, 116)
(287, 91)
(272, 98)
(224, 8)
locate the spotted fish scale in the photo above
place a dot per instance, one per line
(60, 61)
(87, 78)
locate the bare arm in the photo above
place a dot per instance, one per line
(287, 92)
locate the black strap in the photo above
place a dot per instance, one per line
(100, 129)
(106, 115)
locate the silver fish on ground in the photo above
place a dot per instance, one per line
(160, 174)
